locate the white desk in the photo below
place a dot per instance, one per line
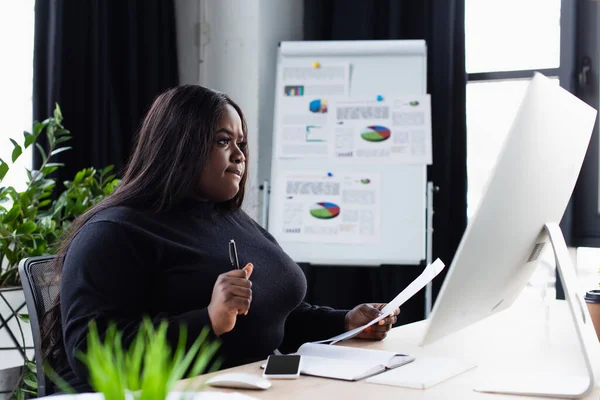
(527, 338)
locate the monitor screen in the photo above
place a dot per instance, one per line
(530, 185)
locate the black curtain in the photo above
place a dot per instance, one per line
(103, 61)
(441, 24)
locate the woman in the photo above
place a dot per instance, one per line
(158, 247)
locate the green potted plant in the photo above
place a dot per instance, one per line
(592, 299)
(32, 222)
(148, 368)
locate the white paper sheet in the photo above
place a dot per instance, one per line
(305, 96)
(331, 207)
(430, 272)
(396, 130)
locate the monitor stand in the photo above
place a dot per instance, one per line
(572, 387)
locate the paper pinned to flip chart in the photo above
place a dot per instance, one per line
(430, 272)
(397, 131)
(321, 207)
(305, 95)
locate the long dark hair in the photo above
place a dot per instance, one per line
(172, 147)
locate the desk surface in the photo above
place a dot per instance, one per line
(530, 337)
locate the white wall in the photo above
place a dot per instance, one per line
(236, 55)
(187, 14)
(229, 59)
(280, 20)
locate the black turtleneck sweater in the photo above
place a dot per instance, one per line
(125, 264)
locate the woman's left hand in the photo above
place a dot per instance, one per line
(365, 313)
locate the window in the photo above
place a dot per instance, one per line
(506, 41)
(16, 81)
(503, 49)
(512, 35)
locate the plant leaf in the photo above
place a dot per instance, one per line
(30, 382)
(62, 139)
(79, 177)
(55, 165)
(30, 364)
(42, 152)
(44, 203)
(12, 214)
(24, 200)
(57, 380)
(24, 318)
(106, 170)
(46, 183)
(29, 139)
(38, 127)
(49, 170)
(17, 151)
(60, 150)
(51, 167)
(58, 113)
(3, 169)
(26, 228)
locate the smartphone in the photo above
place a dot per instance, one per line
(283, 366)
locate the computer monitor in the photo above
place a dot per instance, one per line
(524, 200)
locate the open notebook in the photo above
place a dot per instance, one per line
(347, 363)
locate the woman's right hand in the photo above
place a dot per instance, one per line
(232, 295)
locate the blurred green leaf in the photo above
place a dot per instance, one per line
(26, 228)
(62, 139)
(79, 177)
(31, 383)
(58, 113)
(42, 152)
(10, 191)
(55, 165)
(59, 150)
(24, 199)
(17, 150)
(12, 214)
(44, 203)
(51, 167)
(30, 364)
(106, 170)
(3, 169)
(38, 127)
(29, 139)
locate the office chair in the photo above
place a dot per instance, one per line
(40, 287)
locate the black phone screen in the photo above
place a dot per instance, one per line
(283, 365)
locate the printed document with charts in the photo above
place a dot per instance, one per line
(351, 363)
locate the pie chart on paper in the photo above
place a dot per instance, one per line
(325, 210)
(375, 133)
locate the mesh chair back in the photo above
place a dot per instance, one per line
(41, 286)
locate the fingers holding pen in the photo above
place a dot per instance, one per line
(232, 296)
(240, 288)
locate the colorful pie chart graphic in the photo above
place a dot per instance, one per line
(375, 133)
(318, 106)
(325, 210)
